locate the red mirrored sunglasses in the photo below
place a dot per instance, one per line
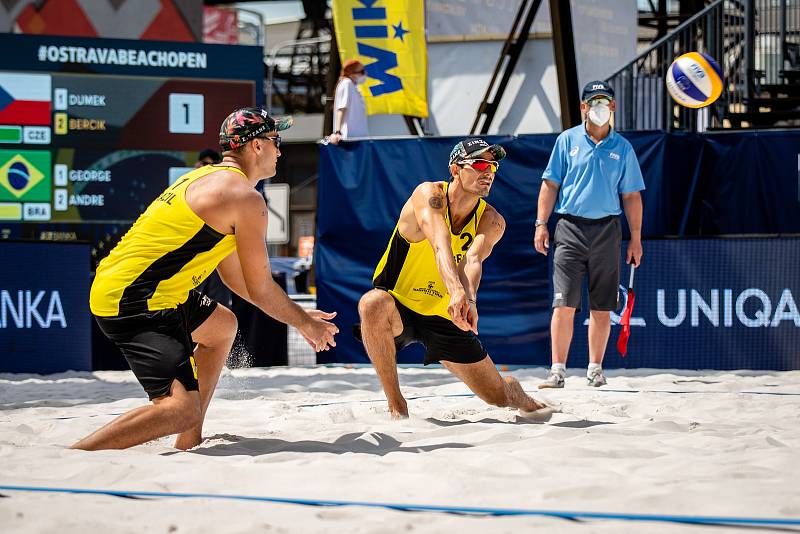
(482, 165)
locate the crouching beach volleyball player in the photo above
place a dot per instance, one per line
(143, 295)
(426, 283)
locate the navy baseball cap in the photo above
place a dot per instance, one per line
(246, 124)
(470, 148)
(596, 88)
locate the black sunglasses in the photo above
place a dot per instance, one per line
(276, 139)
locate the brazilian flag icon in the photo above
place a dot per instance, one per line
(25, 175)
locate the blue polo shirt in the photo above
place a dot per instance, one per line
(592, 176)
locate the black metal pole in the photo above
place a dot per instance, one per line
(749, 48)
(782, 57)
(566, 68)
(512, 50)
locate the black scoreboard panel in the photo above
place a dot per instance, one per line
(110, 185)
(142, 112)
(99, 148)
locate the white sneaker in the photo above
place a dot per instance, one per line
(554, 380)
(596, 378)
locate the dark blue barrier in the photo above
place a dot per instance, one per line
(44, 308)
(696, 185)
(749, 184)
(709, 304)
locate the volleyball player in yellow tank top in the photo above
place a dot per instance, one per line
(143, 295)
(426, 283)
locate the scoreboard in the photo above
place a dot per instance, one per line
(86, 142)
(100, 148)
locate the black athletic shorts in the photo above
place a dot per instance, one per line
(586, 246)
(442, 339)
(158, 345)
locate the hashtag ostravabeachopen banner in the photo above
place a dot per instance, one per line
(388, 37)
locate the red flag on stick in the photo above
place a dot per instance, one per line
(625, 321)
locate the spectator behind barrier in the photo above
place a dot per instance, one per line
(349, 110)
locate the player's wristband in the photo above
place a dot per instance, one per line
(539, 222)
(472, 301)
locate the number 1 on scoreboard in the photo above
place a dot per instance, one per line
(186, 113)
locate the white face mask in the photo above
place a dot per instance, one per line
(599, 114)
(360, 79)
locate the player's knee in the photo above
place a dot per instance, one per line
(224, 328)
(188, 414)
(182, 408)
(228, 323)
(372, 304)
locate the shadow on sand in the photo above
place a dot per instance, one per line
(376, 443)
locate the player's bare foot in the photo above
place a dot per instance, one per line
(538, 411)
(398, 412)
(185, 442)
(532, 405)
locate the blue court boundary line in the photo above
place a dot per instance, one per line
(472, 510)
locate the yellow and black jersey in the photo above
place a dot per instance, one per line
(168, 251)
(408, 270)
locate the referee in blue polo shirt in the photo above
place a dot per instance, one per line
(590, 168)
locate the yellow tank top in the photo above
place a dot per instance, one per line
(168, 251)
(408, 270)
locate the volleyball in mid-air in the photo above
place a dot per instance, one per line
(694, 80)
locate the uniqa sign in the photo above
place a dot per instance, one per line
(752, 307)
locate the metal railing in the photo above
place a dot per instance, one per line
(271, 60)
(751, 40)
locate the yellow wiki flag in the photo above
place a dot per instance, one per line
(388, 37)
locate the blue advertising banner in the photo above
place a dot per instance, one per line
(708, 304)
(44, 308)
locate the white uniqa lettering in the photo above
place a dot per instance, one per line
(784, 314)
(662, 315)
(31, 311)
(711, 312)
(55, 312)
(761, 317)
(7, 308)
(727, 307)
